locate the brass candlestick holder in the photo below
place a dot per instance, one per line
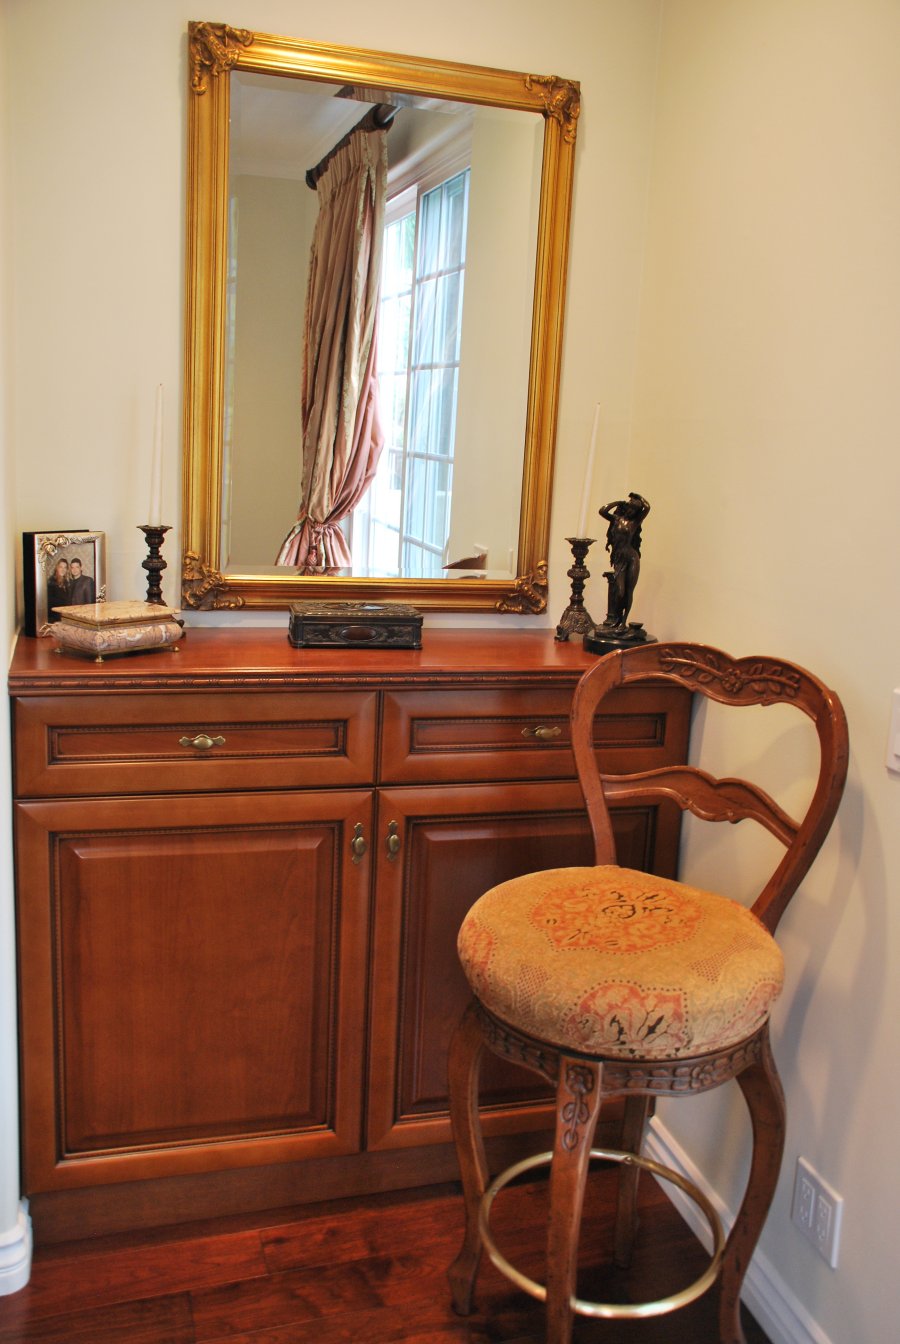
(154, 564)
(575, 620)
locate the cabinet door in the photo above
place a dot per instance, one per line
(452, 844)
(193, 982)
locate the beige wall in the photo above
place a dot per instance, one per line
(496, 335)
(767, 410)
(276, 218)
(14, 1230)
(735, 314)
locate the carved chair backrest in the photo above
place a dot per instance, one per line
(730, 681)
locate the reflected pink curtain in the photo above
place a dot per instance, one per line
(342, 435)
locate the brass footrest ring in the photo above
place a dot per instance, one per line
(607, 1310)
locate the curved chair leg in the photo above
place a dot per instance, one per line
(466, 1050)
(578, 1098)
(764, 1096)
(637, 1109)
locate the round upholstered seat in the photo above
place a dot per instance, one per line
(613, 962)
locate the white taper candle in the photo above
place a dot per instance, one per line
(588, 476)
(156, 463)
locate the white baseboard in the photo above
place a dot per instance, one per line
(15, 1254)
(773, 1304)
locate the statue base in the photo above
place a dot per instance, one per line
(610, 638)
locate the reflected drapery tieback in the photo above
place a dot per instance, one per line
(315, 548)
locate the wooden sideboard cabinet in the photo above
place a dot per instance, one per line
(240, 872)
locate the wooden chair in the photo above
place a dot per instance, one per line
(611, 982)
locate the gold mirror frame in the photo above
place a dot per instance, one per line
(214, 50)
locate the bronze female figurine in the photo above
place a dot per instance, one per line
(623, 541)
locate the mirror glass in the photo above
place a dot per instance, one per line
(281, 128)
(494, 150)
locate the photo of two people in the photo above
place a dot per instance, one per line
(69, 585)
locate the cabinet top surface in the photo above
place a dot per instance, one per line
(224, 658)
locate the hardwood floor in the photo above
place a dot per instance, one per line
(350, 1272)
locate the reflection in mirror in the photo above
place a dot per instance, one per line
(470, 267)
(460, 233)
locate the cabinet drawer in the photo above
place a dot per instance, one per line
(186, 743)
(511, 734)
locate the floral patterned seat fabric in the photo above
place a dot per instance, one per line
(613, 962)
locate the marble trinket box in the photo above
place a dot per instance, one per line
(102, 630)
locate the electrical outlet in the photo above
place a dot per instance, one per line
(806, 1201)
(817, 1210)
(893, 748)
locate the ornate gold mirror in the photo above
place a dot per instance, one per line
(259, 107)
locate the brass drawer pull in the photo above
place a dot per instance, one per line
(203, 742)
(358, 844)
(542, 732)
(392, 843)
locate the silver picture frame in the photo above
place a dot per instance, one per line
(62, 568)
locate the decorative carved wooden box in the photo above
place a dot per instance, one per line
(355, 625)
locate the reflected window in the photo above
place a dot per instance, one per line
(403, 524)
